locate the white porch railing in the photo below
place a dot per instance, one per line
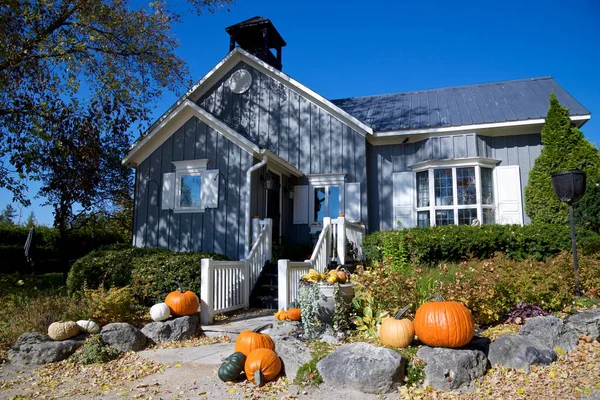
(335, 231)
(226, 285)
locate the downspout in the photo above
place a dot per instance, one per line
(249, 202)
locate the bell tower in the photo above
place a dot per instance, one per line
(257, 36)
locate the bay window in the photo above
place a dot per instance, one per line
(455, 195)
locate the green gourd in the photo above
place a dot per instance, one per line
(232, 367)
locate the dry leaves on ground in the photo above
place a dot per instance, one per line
(60, 380)
(573, 375)
(193, 342)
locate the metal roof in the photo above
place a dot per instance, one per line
(517, 100)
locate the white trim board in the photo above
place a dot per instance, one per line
(496, 128)
(186, 110)
(231, 60)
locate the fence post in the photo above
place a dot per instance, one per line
(326, 224)
(341, 244)
(255, 230)
(282, 283)
(246, 283)
(206, 291)
(269, 222)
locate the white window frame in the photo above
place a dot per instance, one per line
(430, 166)
(188, 168)
(324, 181)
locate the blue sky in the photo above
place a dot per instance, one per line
(356, 48)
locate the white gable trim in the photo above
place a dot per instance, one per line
(230, 61)
(179, 116)
(169, 125)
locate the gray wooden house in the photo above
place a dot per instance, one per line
(248, 140)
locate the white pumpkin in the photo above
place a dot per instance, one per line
(160, 312)
(88, 326)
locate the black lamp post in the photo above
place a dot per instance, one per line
(570, 187)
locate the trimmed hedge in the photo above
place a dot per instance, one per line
(149, 271)
(452, 243)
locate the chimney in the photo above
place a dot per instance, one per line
(257, 36)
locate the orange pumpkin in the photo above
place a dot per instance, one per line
(294, 314)
(397, 332)
(262, 366)
(341, 275)
(249, 341)
(182, 302)
(444, 323)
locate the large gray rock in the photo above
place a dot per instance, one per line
(551, 332)
(363, 367)
(36, 348)
(519, 352)
(293, 354)
(123, 337)
(452, 369)
(176, 329)
(283, 328)
(585, 323)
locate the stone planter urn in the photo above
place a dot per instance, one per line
(326, 303)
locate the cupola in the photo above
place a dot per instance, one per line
(257, 36)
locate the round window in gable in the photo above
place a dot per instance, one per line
(240, 81)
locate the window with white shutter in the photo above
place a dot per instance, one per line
(191, 188)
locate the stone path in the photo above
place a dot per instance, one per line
(211, 354)
(233, 327)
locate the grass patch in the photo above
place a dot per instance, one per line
(308, 374)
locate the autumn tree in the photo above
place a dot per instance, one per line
(77, 77)
(564, 149)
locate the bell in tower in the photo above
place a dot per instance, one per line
(257, 36)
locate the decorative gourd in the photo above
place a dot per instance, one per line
(160, 312)
(232, 367)
(397, 332)
(88, 326)
(341, 275)
(444, 323)
(262, 366)
(281, 315)
(294, 314)
(63, 330)
(249, 341)
(182, 302)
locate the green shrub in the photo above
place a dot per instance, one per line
(113, 305)
(94, 350)
(149, 271)
(489, 288)
(429, 246)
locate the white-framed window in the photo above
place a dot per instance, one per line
(455, 194)
(326, 196)
(191, 188)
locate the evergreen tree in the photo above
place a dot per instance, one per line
(31, 220)
(8, 215)
(564, 149)
(587, 210)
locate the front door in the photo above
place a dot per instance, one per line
(273, 186)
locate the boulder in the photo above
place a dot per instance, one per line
(519, 352)
(452, 369)
(293, 354)
(176, 329)
(363, 367)
(123, 337)
(36, 348)
(283, 328)
(585, 323)
(329, 339)
(551, 332)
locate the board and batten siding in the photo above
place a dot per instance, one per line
(385, 160)
(299, 131)
(218, 230)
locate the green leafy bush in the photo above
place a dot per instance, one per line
(113, 305)
(489, 288)
(429, 246)
(149, 271)
(94, 350)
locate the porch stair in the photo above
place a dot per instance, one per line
(266, 290)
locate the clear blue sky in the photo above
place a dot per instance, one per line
(356, 48)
